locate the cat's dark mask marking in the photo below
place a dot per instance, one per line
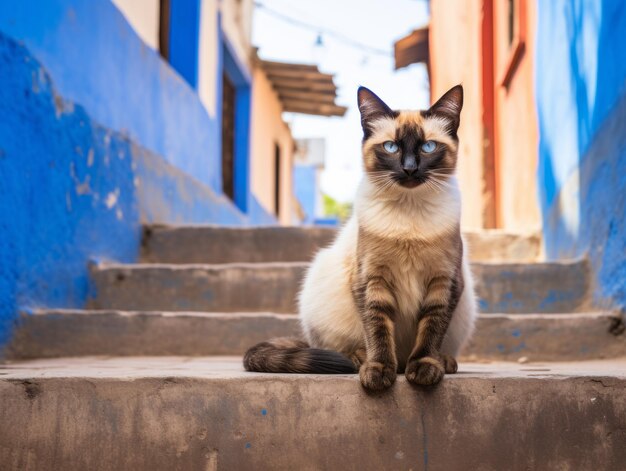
(410, 166)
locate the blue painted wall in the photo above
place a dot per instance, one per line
(184, 35)
(98, 135)
(66, 187)
(97, 60)
(581, 99)
(305, 188)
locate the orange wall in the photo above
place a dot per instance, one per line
(455, 58)
(268, 129)
(516, 126)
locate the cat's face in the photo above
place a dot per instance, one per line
(410, 149)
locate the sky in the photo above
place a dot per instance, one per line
(375, 24)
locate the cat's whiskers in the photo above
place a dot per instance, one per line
(440, 182)
(440, 173)
(382, 181)
(431, 184)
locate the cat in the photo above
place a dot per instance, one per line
(393, 293)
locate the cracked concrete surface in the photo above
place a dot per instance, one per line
(207, 413)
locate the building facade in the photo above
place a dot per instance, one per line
(226, 67)
(309, 163)
(121, 113)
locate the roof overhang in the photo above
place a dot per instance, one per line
(302, 88)
(412, 48)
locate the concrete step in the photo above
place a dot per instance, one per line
(206, 413)
(218, 244)
(498, 246)
(502, 288)
(546, 287)
(58, 333)
(233, 287)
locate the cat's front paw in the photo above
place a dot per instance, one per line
(426, 371)
(376, 376)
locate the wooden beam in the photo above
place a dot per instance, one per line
(314, 108)
(300, 75)
(271, 65)
(313, 97)
(302, 88)
(303, 85)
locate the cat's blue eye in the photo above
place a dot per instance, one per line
(390, 147)
(428, 147)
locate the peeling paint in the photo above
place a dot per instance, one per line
(111, 199)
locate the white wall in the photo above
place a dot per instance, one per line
(207, 51)
(143, 15)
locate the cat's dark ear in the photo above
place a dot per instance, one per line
(371, 108)
(449, 106)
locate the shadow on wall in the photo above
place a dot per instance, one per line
(581, 85)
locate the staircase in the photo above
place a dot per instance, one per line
(155, 379)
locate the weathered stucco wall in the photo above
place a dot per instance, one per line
(66, 188)
(581, 98)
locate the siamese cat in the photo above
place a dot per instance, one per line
(394, 292)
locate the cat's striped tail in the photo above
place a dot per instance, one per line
(288, 355)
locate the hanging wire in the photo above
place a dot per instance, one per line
(323, 31)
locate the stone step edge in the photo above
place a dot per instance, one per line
(63, 332)
(207, 413)
(106, 265)
(268, 314)
(532, 236)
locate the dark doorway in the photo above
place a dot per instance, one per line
(234, 114)
(164, 29)
(228, 137)
(277, 180)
